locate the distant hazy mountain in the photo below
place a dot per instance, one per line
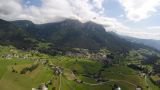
(149, 42)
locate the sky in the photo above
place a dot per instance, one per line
(136, 18)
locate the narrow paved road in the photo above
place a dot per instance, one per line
(92, 84)
(127, 82)
(149, 88)
(60, 76)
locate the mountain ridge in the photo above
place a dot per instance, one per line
(69, 34)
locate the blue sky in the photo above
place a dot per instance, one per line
(37, 3)
(137, 18)
(114, 9)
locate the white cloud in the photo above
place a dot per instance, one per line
(10, 8)
(146, 33)
(137, 10)
(55, 10)
(154, 28)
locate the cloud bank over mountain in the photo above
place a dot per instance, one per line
(44, 11)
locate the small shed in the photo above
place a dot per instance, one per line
(138, 88)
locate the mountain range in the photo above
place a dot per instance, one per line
(63, 35)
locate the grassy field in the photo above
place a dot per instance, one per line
(121, 75)
(14, 81)
(73, 69)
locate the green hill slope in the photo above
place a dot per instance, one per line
(74, 34)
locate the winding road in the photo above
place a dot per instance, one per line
(109, 81)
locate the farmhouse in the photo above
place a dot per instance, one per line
(57, 70)
(116, 87)
(8, 56)
(41, 87)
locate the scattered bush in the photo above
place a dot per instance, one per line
(30, 69)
